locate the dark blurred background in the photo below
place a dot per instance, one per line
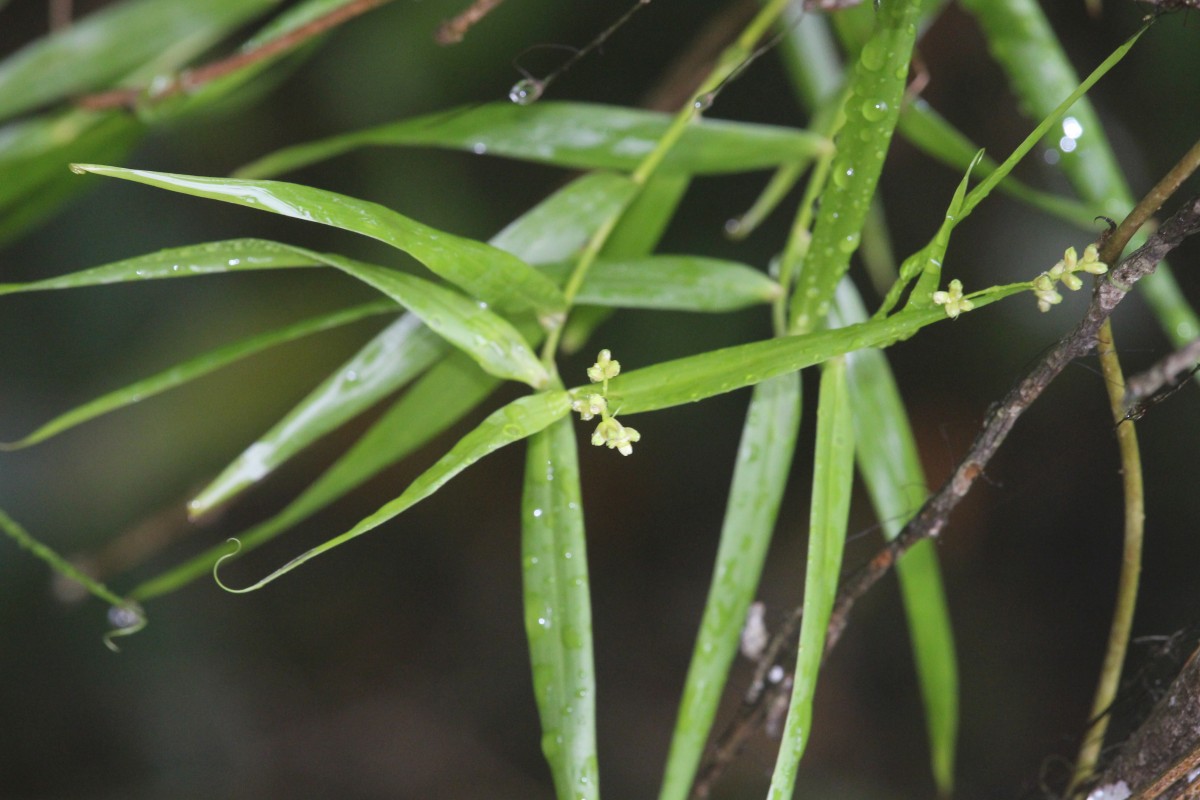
(396, 667)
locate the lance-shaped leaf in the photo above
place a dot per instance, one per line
(485, 336)
(518, 420)
(436, 401)
(833, 475)
(677, 283)
(923, 127)
(211, 258)
(488, 273)
(558, 611)
(687, 380)
(561, 226)
(871, 109)
(573, 135)
(891, 468)
(195, 368)
(759, 478)
(390, 360)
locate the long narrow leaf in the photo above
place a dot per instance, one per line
(871, 109)
(891, 468)
(555, 230)
(573, 135)
(390, 360)
(833, 474)
(195, 368)
(679, 283)
(483, 271)
(558, 612)
(516, 421)
(488, 338)
(211, 258)
(687, 380)
(931, 133)
(759, 479)
(435, 402)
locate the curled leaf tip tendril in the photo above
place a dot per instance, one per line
(127, 619)
(237, 548)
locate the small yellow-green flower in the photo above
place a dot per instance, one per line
(589, 405)
(615, 435)
(606, 367)
(1091, 261)
(1064, 270)
(953, 300)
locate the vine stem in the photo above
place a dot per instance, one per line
(1131, 562)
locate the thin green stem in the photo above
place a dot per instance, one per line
(134, 619)
(734, 57)
(1131, 561)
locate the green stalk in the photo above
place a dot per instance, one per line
(1131, 561)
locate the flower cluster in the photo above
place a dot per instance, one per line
(953, 300)
(1064, 270)
(609, 431)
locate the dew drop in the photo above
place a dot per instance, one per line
(537, 512)
(526, 91)
(849, 243)
(874, 110)
(479, 148)
(843, 175)
(873, 55)
(704, 102)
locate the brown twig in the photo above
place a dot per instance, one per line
(1142, 389)
(190, 80)
(453, 30)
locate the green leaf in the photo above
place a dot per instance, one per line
(687, 380)
(680, 283)
(435, 402)
(558, 613)
(489, 339)
(211, 258)
(833, 476)
(390, 360)
(572, 135)
(872, 107)
(108, 44)
(490, 274)
(195, 368)
(923, 127)
(891, 467)
(759, 480)
(518, 420)
(560, 227)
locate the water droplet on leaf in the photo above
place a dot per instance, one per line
(874, 110)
